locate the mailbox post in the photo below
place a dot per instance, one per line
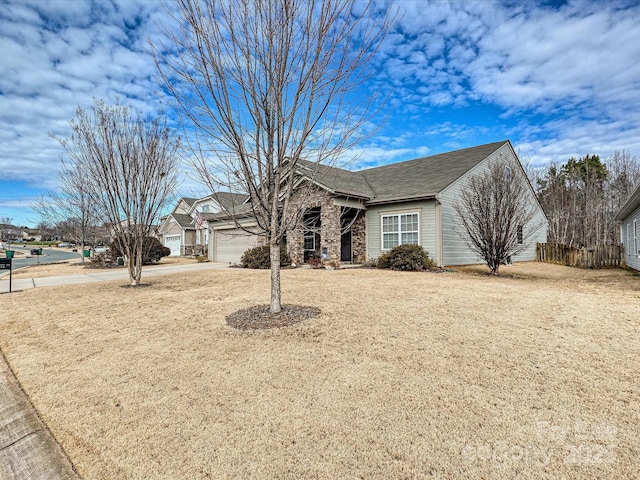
(5, 264)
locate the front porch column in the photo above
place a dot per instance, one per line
(295, 244)
(359, 238)
(330, 229)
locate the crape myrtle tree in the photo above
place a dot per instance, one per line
(262, 84)
(69, 209)
(496, 213)
(130, 171)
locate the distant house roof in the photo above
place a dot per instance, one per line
(630, 206)
(229, 201)
(189, 201)
(183, 219)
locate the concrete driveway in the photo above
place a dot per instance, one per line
(101, 276)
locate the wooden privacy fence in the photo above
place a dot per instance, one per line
(600, 257)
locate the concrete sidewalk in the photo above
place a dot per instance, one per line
(101, 276)
(28, 451)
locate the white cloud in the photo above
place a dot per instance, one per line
(57, 56)
(558, 81)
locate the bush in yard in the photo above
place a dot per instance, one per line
(259, 257)
(101, 260)
(407, 258)
(152, 247)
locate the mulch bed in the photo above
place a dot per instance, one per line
(260, 318)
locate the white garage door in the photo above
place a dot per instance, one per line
(231, 244)
(172, 242)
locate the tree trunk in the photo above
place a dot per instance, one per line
(134, 263)
(276, 301)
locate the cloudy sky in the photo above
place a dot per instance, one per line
(559, 79)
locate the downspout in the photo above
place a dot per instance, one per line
(438, 231)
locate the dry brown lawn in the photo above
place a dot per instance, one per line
(73, 267)
(403, 375)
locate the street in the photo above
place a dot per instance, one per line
(48, 256)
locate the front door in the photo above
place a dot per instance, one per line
(345, 247)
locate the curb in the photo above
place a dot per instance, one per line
(28, 450)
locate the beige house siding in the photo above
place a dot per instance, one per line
(189, 237)
(455, 251)
(172, 228)
(183, 207)
(427, 225)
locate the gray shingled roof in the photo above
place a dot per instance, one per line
(184, 220)
(189, 201)
(420, 178)
(414, 179)
(337, 180)
(229, 201)
(424, 177)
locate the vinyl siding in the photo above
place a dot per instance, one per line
(427, 227)
(182, 207)
(455, 251)
(190, 237)
(631, 258)
(172, 228)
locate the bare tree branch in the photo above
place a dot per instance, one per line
(264, 83)
(130, 172)
(496, 214)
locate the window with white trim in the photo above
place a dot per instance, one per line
(400, 229)
(635, 237)
(627, 245)
(507, 173)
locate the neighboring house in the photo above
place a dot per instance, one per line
(186, 230)
(177, 231)
(363, 214)
(629, 216)
(31, 235)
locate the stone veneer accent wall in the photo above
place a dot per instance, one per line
(359, 238)
(329, 230)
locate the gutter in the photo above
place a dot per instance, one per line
(402, 199)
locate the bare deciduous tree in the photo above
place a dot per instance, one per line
(496, 214)
(266, 83)
(70, 209)
(130, 172)
(582, 197)
(6, 229)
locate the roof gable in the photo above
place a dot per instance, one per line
(183, 219)
(336, 180)
(424, 177)
(420, 178)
